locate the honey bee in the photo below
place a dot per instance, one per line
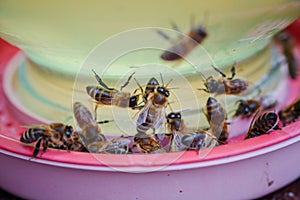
(187, 138)
(198, 140)
(247, 108)
(146, 143)
(265, 123)
(153, 113)
(91, 134)
(217, 118)
(54, 135)
(111, 96)
(288, 47)
(224, 86)
(185, 44)
(119, 145)
(290, 113)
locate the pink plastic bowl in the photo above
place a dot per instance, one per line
(241, 170)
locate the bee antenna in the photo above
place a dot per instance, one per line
(192, 21)
(169, 82)
(206, 17)
(139, 85)
(134, 66)
(202, 75)
(173, 88)
(169, 104)
(99, 80)
(104, 121)
(162, 80)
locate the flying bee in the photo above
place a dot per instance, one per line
(153, 113)
(187, 138)
(54, 135)
(185, 44)
(247, 108)
(91, 134)
(288, 49)
(290, 113)
(265, 123)
(217, 118)
(146, 143)
(110, 96)
(224, 86)
(119, 145)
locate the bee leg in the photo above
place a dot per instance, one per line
(219, 71)
(37, 147)
(153, 131)
(45, 144)
(232, 72)
(95, 111)
(104, 121)
(127, 82)
(206, 115)
(175, 27)
(204, 89)
(165, 36)
(277, 128)
(99, 80)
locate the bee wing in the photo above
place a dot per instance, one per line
(143, 114)
(254, 119)
(41, 126)
(82, 115)
(160, 118)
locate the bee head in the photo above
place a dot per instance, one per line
(201, 31)
(174, 119)
(68, 131)
(243, 107)
(174, 115)
(164, 91)
(272, 116)
(133, 101)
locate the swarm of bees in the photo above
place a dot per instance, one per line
(151, 103)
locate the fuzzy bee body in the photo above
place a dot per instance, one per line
(290, 113)
(119, 145)
(54, 135)
(93, 139)
(153, 114)
(288, 49)
(247, 108)
(216, 116)
(265, 123)
(198, 140)
(150, 87)
(186, 138)
(112, 97)
(146, 143)
(225, 86)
